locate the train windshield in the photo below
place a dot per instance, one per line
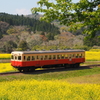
(12, 57)
(16, 57)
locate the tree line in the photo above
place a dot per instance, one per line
(32, 23)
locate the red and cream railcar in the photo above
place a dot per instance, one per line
(30, 60)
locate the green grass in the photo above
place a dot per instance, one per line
(61, 75)
(5, 58)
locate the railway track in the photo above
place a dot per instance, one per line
(46, 70)
(9, 73)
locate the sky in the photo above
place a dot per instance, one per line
(19, 6)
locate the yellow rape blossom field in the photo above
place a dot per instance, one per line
(92, 56)
(5, 56)
(6, 67)
(48, 90)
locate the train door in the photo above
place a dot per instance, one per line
(70, 57)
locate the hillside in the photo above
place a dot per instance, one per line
(33, 24)
(27, 33)
(35, 16)
(14, 28)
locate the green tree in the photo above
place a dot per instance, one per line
(95, 41)
(9, 46)
(23, 45)
(32, 23)
(11, 30)
(85, 13)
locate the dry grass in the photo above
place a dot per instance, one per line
(89, 79)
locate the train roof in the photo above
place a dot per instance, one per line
(49, 51)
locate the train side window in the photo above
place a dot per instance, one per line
(77, 55)
(70, 56)
(19, 57)
(73, 55)
(46, 57)
(24, 57)
(41, 57)
(62, 56)
(58, 56)
(37, 57)
(54, 56)
(33, 58)
(83, 55)
(80, 55)
(28, 58)
(49, 56)
(66, 56)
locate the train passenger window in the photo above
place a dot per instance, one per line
(37, 57)
(83, 55)
(77, 55)
(24, 57)
(41, 57)
(54, 56)
(70, 56)
(33, 58)
(80, 55)
(19, 57)
(62, 56)
(73, 55)
(46, 57)
(28, 58)
(58, 56)
(66, 56)
(49, 56)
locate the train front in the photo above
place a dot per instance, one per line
(16, 59)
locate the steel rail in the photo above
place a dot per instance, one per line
(52, 70)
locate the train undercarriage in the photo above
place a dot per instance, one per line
(32, 68)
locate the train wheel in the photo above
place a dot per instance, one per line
(25, 70)
(20, 70)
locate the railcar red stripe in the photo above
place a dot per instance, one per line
(46, 62)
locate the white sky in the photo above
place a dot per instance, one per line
(19, 6)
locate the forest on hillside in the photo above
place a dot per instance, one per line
(32, 23)
(18, 32)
